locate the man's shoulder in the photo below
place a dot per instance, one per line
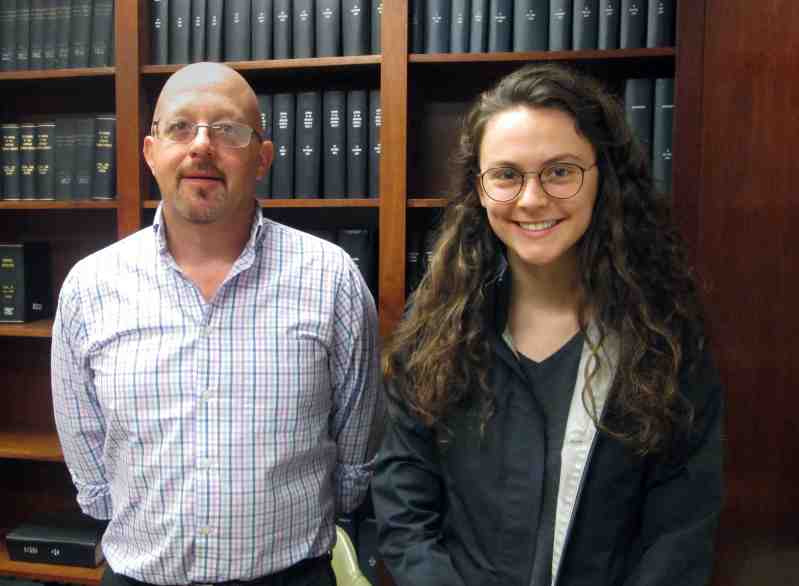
(293, 241)
(118, 257)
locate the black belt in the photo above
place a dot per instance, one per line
(281, 578)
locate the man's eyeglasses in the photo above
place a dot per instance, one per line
(226, 134)
(559, 180)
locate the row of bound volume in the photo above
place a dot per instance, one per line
(649, 109)
(326, 144)
(189, 31)
(70, 158)
(479, 26)
(25, 286)
(360, 244)
(56, 34)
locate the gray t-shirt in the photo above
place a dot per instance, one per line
(552, 383)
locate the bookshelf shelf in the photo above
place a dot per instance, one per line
(30, 445)
(44, 74)
(48, 572)
(320, 63)
(36, 329)
(427, 202)
(299, 203)
(661, 52)
(58, 205)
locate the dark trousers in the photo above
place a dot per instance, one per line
(313, 572)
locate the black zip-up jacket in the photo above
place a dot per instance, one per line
(467, 512)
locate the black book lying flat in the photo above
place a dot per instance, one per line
(65, 538)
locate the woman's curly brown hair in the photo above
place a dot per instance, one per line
(633, 270)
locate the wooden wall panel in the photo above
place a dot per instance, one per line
(748, 250)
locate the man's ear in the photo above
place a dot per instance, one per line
(266, 155)
(147, 150)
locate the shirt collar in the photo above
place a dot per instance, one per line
(257, 229)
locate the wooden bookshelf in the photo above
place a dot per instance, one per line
(36, 329)
(422, 97)
(24, 444)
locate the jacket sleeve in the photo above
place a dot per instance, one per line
(408, 495)
(684, 498)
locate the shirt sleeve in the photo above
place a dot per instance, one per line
(357, 397)
(78, 416)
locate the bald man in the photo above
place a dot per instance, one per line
(215, 375)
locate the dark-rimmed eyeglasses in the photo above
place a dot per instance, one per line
(234, 135)
(558, 180)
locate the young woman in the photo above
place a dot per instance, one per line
(555, 416)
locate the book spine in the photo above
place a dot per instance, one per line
(45, 161)
(560, 25)
(80, 33)
(104, 184)
(375, 146)
(63, 44)
(64, 158)
(263, 187)
(662, 134)
(416, 26)
(307, 162)
(50, 34)
(303, 27)
(179, 31)
(10, 136)
(27, 161)
(459, 27)
(632, 30)
(283, 131)
(357, 144)
(608, 16)
(660, 23)
(12, 286)
(213, 30)
(354, 27)
(238, 29)
(530, 25)
(67, 554)
(638, 110)
(478, 27)
(500, 26)
(8, 41)
(84, 157)
(585, 26)
(413, 261)
(357, 242)
(159, 12)
(437, 27)
(328, 28)
(376, 20)
(23, 35)
(199, 24)
(334, 144)
(262, 29)
(37, 15)
(102, 33)
(281, 29)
